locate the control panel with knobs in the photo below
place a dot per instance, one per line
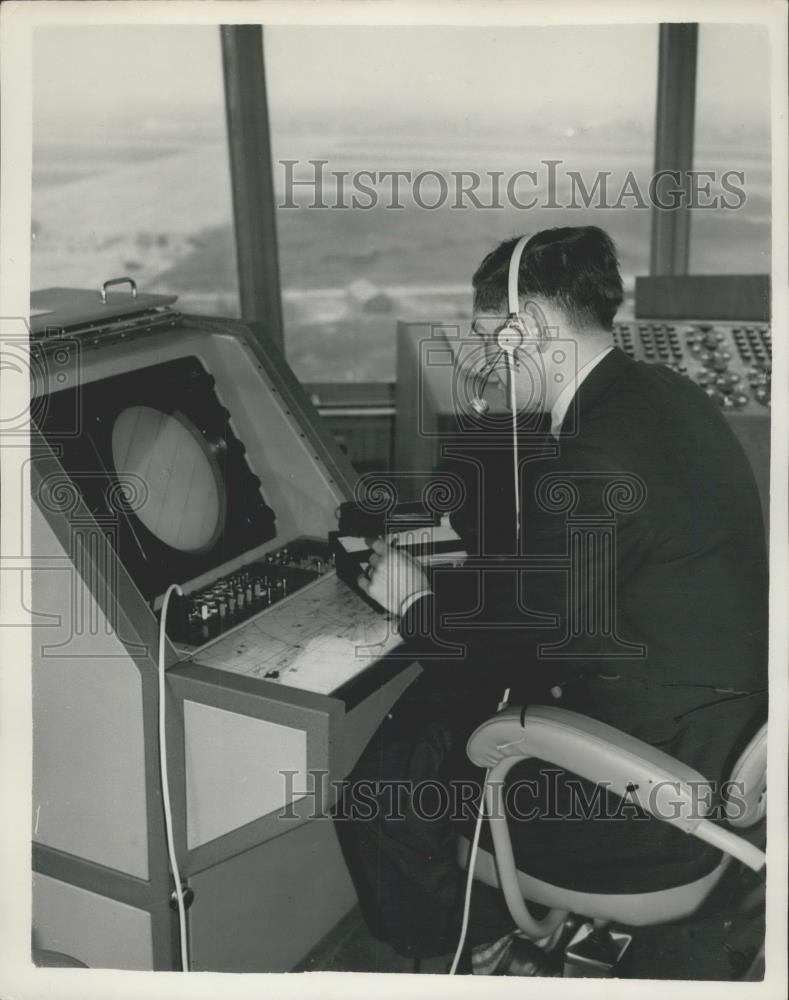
(732, 362)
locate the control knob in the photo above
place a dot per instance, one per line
(727, 382)
(711, 340)
(719, 361)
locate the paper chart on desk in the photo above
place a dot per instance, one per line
(316, 641)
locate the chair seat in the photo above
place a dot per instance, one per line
(632, 909)
(43, 958)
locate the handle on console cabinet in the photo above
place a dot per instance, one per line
(118, 281)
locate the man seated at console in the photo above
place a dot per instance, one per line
(664, 636)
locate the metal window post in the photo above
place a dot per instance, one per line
(674, 127)
(252, 179)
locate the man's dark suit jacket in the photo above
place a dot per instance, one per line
(690, 585)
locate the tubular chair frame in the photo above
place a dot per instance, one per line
(658, 783)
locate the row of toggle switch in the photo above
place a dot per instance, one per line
(207, 613)
(233, 599)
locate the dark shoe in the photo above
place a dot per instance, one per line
(514, 955)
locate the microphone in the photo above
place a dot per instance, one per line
(509, 339)
(480, 382)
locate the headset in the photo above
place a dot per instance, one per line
(513, 336)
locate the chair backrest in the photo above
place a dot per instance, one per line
(747, 799)
(660, 784)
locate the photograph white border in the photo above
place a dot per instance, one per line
(18, 19)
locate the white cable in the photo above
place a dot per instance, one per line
(472, 862)
(509, 351)
(472, 859)
(513, 305)
(168, 815)
(513, 407)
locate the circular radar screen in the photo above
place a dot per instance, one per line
(184, 503)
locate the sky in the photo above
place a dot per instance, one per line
(400, 72)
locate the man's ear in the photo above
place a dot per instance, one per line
(536, 323)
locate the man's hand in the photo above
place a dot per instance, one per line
(393, 577)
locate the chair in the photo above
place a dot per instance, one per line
(628, 766)
(43, 958)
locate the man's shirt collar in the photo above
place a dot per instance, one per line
(565, 397)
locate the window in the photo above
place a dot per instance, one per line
(131, 174)
(441, 101)
(733, 135)
(130, 162)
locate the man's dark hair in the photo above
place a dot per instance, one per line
(574, 267)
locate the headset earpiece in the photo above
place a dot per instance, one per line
(512, 335)
(527, 330)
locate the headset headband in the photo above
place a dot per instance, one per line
(513, 303)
